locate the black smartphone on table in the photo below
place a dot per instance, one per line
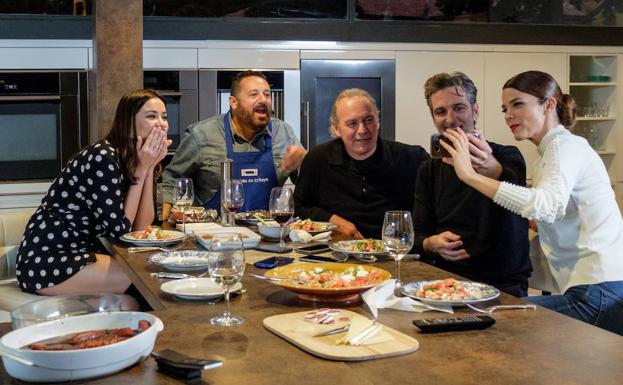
(317, 258)
(272, 247)
(272, 262)
(182, 361)
(313, 249)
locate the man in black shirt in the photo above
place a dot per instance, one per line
(456, 227)
(352, 180)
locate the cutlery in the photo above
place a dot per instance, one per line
(491, 309)
(341, 329)
(278, 279)
(166, 275)
(153, 248)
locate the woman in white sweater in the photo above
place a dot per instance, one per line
(571, 200)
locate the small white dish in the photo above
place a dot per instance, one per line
(249, 238)
(196, 288)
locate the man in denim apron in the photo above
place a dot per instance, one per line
(264, 149)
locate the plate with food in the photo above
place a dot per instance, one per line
(181, 214)
(312, 227)
(250, 218)
(360, 247)
(249, 238)
(153, 236)
(181, 260)
(327, 281)
(196, 288)
(450, 291)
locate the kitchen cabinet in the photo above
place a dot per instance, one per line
(593, 84)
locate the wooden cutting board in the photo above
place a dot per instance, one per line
(295, 329)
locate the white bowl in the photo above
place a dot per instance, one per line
(272, 230)
(70, 365)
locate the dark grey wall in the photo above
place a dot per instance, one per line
(176, 28)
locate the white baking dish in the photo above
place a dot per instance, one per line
(70, 365)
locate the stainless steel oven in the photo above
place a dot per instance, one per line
(43, 122)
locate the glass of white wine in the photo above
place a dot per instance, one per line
(398, 238)
(183, 196)
(226, 266)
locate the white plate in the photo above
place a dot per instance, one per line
(181, 260)
(480, 292)
(346, 247)
(249, 239)
(196, 288)
(176, 236)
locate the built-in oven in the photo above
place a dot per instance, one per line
(43, 122)
(179, 90)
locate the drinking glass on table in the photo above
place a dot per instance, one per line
(183, 196)
(226, 266)
(281, 207)
(233, 198)
(397, 238)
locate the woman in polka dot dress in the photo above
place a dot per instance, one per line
(105, 190)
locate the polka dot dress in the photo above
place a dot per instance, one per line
(84, 202)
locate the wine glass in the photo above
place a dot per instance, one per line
(281, 207)
(226, 266)
(233, 198)
(183, 196)
(398, 238)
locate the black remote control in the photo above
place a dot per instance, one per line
(469, 322)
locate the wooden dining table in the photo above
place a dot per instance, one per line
(523, 347)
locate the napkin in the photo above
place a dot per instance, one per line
(363, 331)
(382, 296)
(303, 236)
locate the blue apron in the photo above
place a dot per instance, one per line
(256, 169)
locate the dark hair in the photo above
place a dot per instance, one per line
(543, 86)
(444, 80)
(123, 135)
(235, 82)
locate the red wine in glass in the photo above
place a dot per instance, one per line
(234, 208)
(282, 216)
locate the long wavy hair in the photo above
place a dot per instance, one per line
(123, 134)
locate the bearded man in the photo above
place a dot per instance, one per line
(264, 149)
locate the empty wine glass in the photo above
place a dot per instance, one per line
(183, 196)
(281, 207)
(398, 238)
(226, 266)
(233, 198)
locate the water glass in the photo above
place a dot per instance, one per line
(226, 266)
(183, 196)
(398, 237)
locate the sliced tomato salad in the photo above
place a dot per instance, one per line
(351, 277)
(448, 289)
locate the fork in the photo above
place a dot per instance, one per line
(278, 279)
(152, 248)
(491, 309)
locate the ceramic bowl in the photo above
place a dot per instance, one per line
(70, 365)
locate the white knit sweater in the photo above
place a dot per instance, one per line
(580, 225)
